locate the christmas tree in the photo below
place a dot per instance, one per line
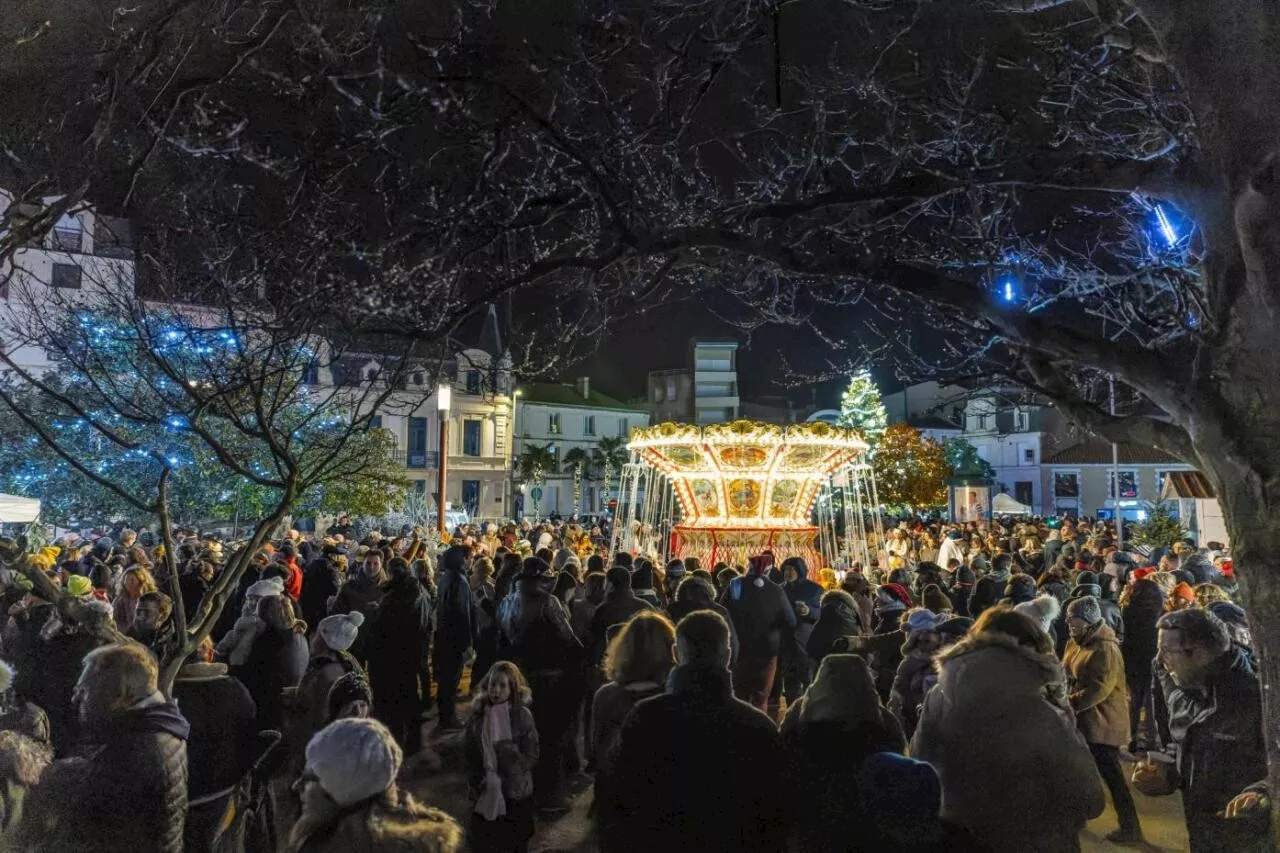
(862, 408)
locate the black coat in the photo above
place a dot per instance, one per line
(397, 643)
(319, 581)
(987, 592)
(692, 598)
(454, 628)
(837, 618)
(126, 791)
(1140, 615)
(762, 616)
(619, 605)
(534, 630)
(694, 770)
(277, 660)
(223, 741)
(1221, 751)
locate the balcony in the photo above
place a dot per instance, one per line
(418, 459)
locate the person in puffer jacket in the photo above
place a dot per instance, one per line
(806, 598)
(917, 663)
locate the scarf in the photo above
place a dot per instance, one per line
(496, 728)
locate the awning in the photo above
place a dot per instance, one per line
(17, 510)
(1186, 484)
(1005, 505)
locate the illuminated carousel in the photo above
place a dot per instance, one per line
(727, 492)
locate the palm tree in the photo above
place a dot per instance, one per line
(610, 452)
(579, 456)
(536, 461)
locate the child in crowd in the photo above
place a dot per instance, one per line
(501, 744)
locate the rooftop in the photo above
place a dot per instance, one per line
(562, 394)
(1096, 451)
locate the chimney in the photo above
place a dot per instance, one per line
(584, 386)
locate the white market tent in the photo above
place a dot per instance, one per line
(1005, 505)
(17, 510)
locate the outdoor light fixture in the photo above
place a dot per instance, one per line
(444, 396)
(1007, 287)
(1167, 230)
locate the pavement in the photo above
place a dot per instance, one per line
(443, 784)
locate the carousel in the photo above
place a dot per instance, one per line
(727, 492)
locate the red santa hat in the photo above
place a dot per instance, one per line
(898, 591)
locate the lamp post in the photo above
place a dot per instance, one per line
(444, 395)
(515, 421)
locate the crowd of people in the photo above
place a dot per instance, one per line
(975, 688)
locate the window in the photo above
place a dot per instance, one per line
(1066, 484)
(1128, 484)
(984, 420)
(719, 364)
(1021, 420)
(1022, 492)
(671, 389)
(473, 382)
(657, 394)
(624, 429)
(553, 424)
(417, 456)
(471, 495)
(375, 422)
(715, 389)
(420, 487)
(66, 275)
(1029, 455)
(589, 425)
(471, 438)
(311, 373)
(68, 235)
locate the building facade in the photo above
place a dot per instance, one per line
(1080, 479)
(565, 418)
(703, 392)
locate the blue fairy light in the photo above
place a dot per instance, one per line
(1167, 229)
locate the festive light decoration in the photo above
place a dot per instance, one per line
(740, 488)
(862, 408)
(911, 470)
(577, 488)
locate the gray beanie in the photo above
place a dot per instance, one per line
(354, 759)
(1086, 608)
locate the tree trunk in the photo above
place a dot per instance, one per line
(1253, 521)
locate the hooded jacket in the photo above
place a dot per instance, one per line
(699, 594)
(1095, 674)
(534, 629)
(837, 617)
(393, 822)
(803, 590)
(999, 712)
(128, 790)
(1140, 615)
(454, 628)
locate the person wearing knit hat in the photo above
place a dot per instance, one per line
(339, 631)
(79, 586)
(1019, 589)
(1095, 669)
(350, 800)
(902, 798)
(1182, 596)
(1043, 610)
(921, 628)
(349, 697)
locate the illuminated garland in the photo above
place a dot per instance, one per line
(577, 488)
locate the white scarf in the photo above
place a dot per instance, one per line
(496, 728)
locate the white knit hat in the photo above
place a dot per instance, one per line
(339, 631)
(354, 759)
(266, 588)
(1043, 610)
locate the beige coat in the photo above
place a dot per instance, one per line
(1095, 673)
(998, 729)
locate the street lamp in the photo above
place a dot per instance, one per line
(444, 395)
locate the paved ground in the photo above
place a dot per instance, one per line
(446, 788)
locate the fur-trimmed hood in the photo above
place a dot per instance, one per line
(838, 597)
(998, 671)
(393, 823)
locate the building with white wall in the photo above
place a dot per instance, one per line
(564, 417)
(703, 392)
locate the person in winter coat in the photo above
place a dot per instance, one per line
(362, 591)
(1019, 589)
(636, 664)
(535, 635)
(619, 605)
(277, 659)
(837, 617)
(320, 582)
(1004, 670)
(350, 800)
(584, 605)
(1095, 677)
(642, 584)
(762, 616)
(222, 744)
(1215, 717)
(826, 736)
(484, 616)
(1141, 611)
(806, 598)
(455, 632)
(1089, 583)
(694, 768)
(127, 789)
(330, 660)
(698, 593)
(864, 596)
(917, 663)
(23, 761)
(397, 641)
(501, 747)
(287, 556)
(989, 589)
(136, 583)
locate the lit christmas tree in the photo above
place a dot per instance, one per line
(862, 408)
